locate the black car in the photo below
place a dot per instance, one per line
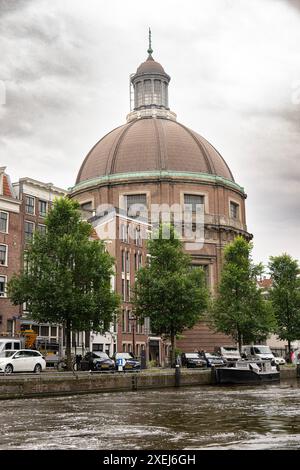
(129, 363)
(192, 360)
(212, 359)
(96, 361)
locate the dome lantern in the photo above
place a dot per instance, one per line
(150, 86)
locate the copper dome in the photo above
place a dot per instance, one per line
(152, 144)
(150, 66)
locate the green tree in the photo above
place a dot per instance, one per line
(168, 290)
(66, 278)
(239, 309)
(285, 296)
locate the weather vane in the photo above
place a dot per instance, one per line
(150, 50)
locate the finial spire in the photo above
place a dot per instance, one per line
(150, 50)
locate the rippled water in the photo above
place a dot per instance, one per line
(261, 417)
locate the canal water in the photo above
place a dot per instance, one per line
(261, 417)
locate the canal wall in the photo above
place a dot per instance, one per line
(51, 384)
(79, 383)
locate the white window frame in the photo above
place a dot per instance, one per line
(6, 254)
(43, 215)
(7, 221)
(28, 222)
(4, 294)
(32, 197)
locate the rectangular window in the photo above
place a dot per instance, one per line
(29, 205)
(97, 347)
(4, 222)
(147, 92)
(123, 260)
(44, 330)
(234, 210)
(123, 289)
(128, 289)
(42, 229)
(193, 200)
(29, 230)
(124, 321)
(115, 324)
(2, 286)
(127, 262)
(136, 205)
(53, 330)
(42, 208)
(3, 255)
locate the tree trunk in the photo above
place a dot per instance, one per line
(289, 349)
(173, 358)
(68, 345)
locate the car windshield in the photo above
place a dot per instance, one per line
(102, 355)
(192, 356)
(262, 350)
(123, 355)
(212, 356)
(230, 349)
(7, 353)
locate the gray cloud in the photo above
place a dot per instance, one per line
(233, 65)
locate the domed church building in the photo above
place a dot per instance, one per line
(154, 159)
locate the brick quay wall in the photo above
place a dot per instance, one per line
(59, 384)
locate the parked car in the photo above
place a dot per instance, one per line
(192, 360)
(24, 360)
(279, 360)
(212, 359)
(228, 353)
(96, 361)
(130, 362)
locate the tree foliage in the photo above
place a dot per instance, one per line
(168, 290)
(285, 296)
(66, 276)
(239, 309)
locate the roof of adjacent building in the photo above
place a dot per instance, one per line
(152, 144)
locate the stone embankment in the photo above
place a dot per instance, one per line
(55, 384)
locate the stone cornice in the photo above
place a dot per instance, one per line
(150, 176)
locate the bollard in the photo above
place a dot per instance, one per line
(177, 375)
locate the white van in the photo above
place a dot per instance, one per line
(258, 351)
(229, 353)
(10, 344)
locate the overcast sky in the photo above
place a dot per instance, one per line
(235, 68)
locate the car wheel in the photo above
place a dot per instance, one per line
(8, 369)
(38, 369)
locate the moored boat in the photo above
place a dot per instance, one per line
(248, 372)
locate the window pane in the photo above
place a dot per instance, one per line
(193, 200)
(43, 208)
(3, 251)
(29, 228)
(42, 229)
(136, 204)
(3, 222)
(44, 330)
(29, 204)
(234, 210)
